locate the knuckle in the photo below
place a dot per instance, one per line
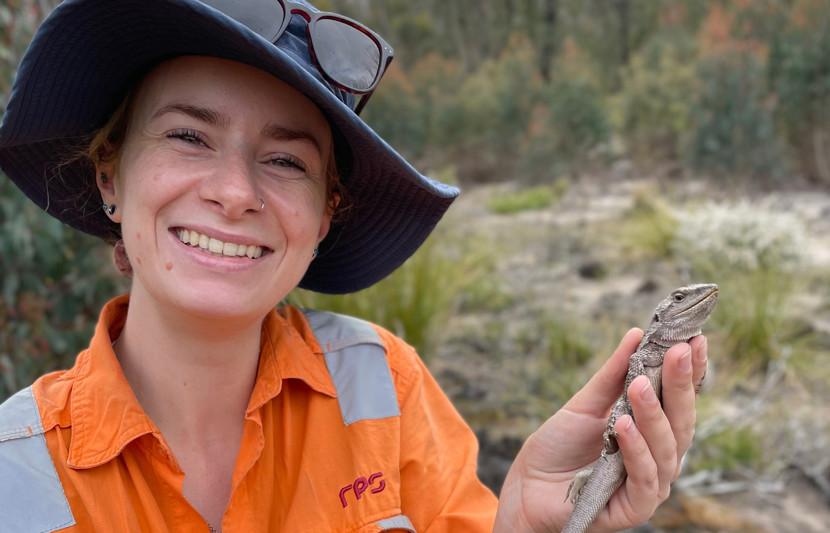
(686, 426)
(668, 455)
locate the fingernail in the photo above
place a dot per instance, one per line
(628, 424)
(702, 351)
(685, 362)
(647, 393)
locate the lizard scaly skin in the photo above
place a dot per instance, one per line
(678, 318)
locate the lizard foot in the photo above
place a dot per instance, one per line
(577, 484)
(610, 438)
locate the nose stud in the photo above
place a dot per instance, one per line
(261, 205)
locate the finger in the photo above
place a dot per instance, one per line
(679, 395)
(699, 360)
(606, 385)
(640, 496)
(654, 426)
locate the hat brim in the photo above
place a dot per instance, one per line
(87, 53)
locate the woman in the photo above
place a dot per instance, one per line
(219, 149)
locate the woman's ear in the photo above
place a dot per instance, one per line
(105, 180)
(331, 207)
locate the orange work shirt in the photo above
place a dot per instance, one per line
(300, 467)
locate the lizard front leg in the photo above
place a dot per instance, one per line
(652, 358)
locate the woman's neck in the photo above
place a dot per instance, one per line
(188, 372)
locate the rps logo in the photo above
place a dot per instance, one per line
(373, 484)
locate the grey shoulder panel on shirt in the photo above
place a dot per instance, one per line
(400, 522)
(356, 361)
(31, 495)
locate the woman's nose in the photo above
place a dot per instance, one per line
(231, 187)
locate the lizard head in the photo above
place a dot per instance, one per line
(680, 316)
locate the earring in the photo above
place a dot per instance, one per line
(314, 253)
(109, 209)
(103, 177)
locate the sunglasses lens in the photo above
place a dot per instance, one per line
(264, 17)
(347, 55)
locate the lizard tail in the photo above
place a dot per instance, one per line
(608, 475)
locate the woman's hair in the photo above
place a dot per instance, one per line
(106, 143)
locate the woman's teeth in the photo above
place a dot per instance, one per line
(217, 247)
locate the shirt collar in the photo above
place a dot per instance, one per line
(289, 351)
(106, 416)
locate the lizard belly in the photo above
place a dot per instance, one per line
(607, 476)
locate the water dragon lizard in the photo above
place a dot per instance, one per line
(678, 318)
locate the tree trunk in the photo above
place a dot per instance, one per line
(623, 11)
(547, 48)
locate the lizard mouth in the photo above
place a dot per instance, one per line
(714, 291)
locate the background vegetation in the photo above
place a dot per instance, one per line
(537, 99)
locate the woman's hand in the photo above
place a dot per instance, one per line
(533, 497)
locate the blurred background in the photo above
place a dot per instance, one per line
(608, 151)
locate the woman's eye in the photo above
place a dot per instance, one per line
(286, 161)
(188, 136)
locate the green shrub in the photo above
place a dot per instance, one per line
(496, 100)
(564, 353)
(416, 301)
(733, 119)
(733, 448)
(799, 72)
(528, 199)
(648, 229)
(54, 282)
(573, 122)
(652, 112)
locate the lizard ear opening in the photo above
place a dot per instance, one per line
(656, 318)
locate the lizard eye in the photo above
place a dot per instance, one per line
(678, 297)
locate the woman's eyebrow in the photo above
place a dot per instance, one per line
(214, 118)
(282, 133)
(204, 114)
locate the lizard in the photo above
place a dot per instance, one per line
(678, 318)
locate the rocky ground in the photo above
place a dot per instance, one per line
(553, 264)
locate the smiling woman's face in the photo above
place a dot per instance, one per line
(208, 140)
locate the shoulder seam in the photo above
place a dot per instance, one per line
(25, 430)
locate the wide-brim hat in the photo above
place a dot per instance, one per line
(84, 58)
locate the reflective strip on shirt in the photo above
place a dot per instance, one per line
(39, 504)
(356, 360)
(396, 522)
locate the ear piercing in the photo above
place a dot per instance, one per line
(103, 177)
(108, 209)
(314, 253)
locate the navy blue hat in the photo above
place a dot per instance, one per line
(84, 58)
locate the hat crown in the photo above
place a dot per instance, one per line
(293, 41)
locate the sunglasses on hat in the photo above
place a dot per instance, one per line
(347, 54)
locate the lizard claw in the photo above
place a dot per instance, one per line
(577, 484)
